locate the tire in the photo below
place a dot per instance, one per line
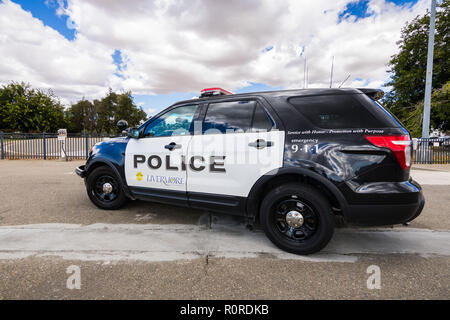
(108, 201)
(300, 235)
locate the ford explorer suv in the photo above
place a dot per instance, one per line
(291, 159)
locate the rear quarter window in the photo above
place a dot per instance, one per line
(381, 113)
(336, 111)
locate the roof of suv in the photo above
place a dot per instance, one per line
(288, 93)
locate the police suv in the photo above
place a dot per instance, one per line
(292, 159)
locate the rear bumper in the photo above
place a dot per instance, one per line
(81, 171)
(385, 203)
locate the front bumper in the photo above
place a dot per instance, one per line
(81, 171)
(387, 203)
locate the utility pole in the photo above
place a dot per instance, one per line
(331, 75)
(429, 75)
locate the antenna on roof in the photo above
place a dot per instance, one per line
(307, 73)
(304, 74)
(331, 74)
(344, 81)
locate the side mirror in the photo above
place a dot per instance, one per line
(133, 133)
(122, 125)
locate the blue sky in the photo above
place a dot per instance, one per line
(47, 12)
(359, 9)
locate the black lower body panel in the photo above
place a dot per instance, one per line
(233, 205)
(160, 195)
(377, 215)
(387, 203)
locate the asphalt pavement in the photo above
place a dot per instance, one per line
(153, 251)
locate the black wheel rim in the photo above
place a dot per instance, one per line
(99, 192)
(284, 229)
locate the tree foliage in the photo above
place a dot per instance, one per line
(408, 70)
(440, 112)
(24, 109)
(440, 108)
(81, 116)
(101, 116)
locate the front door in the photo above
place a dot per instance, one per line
(155, 163)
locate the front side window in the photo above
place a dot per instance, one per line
(175, 122)
(226, 117)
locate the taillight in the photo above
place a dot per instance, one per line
(400, 146)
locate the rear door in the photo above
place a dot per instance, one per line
(238, 143)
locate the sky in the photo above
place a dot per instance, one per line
(164, 51)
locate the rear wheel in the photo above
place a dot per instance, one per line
(297, 218)
(104, 189)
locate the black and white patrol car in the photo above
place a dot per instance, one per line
(291, 159)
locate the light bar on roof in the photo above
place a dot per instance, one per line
(213, 92)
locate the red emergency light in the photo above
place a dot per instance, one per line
(213, 92)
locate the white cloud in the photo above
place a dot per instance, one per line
(183, 46)
(38, 54)
(151, 111)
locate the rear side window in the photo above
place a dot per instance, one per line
(228, 116)
(335, 111)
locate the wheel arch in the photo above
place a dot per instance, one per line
(102, 162)
(285, 175)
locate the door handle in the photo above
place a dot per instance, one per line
(260, 144)
(171, 146)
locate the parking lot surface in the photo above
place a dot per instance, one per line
(153, 251)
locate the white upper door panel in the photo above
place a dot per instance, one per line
(149, 164)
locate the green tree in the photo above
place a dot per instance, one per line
(106, 109)
(127, 110)
(81, 116)
(25, 109)
(440, 112)
(408, 67)
(440, 108)
(101, 116)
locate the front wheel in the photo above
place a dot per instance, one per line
(104, 189)
(297, 218)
